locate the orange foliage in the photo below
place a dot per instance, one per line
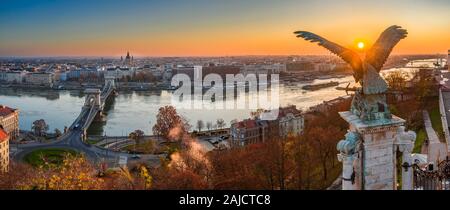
(167, 120)
(76, 173)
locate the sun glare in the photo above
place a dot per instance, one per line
(361, 45)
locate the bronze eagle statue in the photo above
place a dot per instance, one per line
(366, 71)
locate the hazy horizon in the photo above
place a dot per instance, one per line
(187, 56)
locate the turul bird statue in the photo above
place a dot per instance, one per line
(369, 102)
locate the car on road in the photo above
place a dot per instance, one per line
(215, 141)
(76, 126)
(135, 157)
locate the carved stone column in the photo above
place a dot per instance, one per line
(347, 155)
(348, 173)
(374, 144)
(407, 173)
(405, 144)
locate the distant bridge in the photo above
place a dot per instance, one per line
(76, 134)
(93, 106)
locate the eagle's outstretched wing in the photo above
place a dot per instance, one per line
(380, 51)
(347, 55)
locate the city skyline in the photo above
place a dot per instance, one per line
(205, 28)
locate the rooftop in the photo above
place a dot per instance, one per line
(292, 109)
(5, 111)
(248, 123)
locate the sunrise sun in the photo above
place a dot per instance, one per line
(360, 45)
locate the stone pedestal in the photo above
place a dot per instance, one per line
(374, 145)
(407, 173)
(348, 182)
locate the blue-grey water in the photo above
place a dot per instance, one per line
(137, 110)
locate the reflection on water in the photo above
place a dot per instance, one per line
(58, 108)
(137, 110)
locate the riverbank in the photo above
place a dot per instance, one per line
(82, 87)
(131, 110)
(60, 107)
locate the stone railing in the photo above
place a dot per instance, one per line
(444, 120)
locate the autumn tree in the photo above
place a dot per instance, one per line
(17, 176)
(424, 86)
(168, 119)
(276, 164)
(397, 80)
(220, 123)
(209, 126)
(136, 135)
(200, 125)
(301, 154)
(188, 169)
(261, 166)
(324, 145)
(57, 132)
(75, 173)
(138, 179)
(238, 169)
(40, 127)
(179, 180)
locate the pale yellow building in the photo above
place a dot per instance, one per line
(9, 121)
(4, 151)
(41, 79)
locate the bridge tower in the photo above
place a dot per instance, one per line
(110, 80)
(92, 98)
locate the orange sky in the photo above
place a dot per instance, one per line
(237, 28)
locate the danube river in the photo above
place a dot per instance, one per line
(137, 110)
